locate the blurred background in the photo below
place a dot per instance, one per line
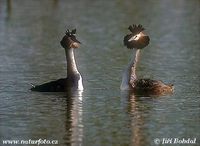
(30, 52)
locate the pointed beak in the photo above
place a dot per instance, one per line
(75, 40)
(79, 42)
(135, 37)
(131, 39)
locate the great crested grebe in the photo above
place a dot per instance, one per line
(138, 40)
(74, 79)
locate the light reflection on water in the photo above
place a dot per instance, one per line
(74, 125)
(101, 115)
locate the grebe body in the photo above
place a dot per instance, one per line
(138, 40)
(74, 78)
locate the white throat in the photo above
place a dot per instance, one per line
(129, 74)
(80, 83)
(72, 69)
(71, 62)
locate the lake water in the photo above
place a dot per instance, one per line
(101, 115)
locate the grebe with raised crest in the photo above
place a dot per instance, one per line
(74, 79)
(137, 40)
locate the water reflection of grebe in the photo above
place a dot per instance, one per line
(73, 123)
(139, 113)
(138, 40)
(74, 79)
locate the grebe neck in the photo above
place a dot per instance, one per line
(133, 67)
(129, 75)
(75, 79)
(71, 62)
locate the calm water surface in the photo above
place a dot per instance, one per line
(30, 52)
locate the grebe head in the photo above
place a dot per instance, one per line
(136, 39)
(69, 40)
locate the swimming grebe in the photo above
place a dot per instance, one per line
(138, 40)
(74, 79)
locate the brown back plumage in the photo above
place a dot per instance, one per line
(150, 87)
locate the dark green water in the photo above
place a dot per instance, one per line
(101, 115)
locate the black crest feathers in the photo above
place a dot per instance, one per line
(136, 29)
(70, 33)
